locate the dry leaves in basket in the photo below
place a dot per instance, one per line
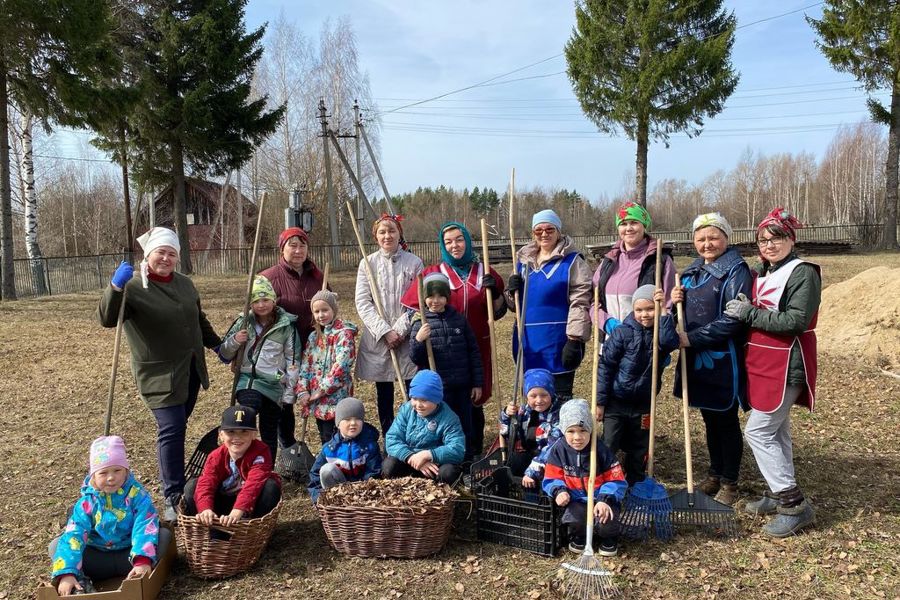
(405, 492)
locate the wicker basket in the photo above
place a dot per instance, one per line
(220, 551)
(386, 532)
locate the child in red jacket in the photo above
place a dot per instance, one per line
(237, 480)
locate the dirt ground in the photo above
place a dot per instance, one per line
(55, 362)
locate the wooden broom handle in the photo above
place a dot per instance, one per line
(489, 294)
(420, 291)
(689, 468)
(654, 377)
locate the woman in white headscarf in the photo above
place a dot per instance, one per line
(167, 332)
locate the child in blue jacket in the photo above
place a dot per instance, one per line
(537, 424)
(625, 380)
(113, 530)
(351, 455)
(566, 479)
(426, 439)
(456, 356)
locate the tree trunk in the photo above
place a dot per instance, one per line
(641, 161)
(179, 207)
(126, 192)
(892, 172)
(30, 200)
(7, 273)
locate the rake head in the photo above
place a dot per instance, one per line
(295, 463)
(693, 511)
(647, 511)
(208, 443)
(586, 579)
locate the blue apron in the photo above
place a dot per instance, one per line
(546, 315)
(714, 373)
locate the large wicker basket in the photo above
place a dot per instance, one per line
(386, 532)
(210, 555)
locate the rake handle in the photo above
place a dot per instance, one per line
(654, 377)
(489, 295)
(684, 399)
(420, 290)
(376, 299)
(592, 473)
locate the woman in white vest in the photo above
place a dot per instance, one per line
(781, 365)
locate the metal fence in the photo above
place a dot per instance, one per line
(69, 274)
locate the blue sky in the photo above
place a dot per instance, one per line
(789, 98)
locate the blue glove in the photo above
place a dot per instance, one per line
(611, 323)
(122, 275)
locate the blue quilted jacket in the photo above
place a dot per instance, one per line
(456, 354)
(440, 432)
(625, 376)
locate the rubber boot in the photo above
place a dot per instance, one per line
(710, 486)
(767, 505)
(789, 521)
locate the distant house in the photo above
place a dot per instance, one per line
(204, 229)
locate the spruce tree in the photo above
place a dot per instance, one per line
(862, 37)
(50, 54)
(196, 110)
(651, 68)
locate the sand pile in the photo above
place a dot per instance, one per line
(861, 317)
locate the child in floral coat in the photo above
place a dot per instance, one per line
(113, 530)
(326, 368)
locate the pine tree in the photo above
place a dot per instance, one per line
(50, 54)
(651, 68)
(862, 37)
(196, 110)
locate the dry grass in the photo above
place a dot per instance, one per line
(55, 362)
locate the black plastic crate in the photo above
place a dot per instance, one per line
(514, 516)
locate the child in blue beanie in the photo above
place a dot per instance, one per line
(537, 426)
(426, 439)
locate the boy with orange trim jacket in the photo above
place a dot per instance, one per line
(566, 479)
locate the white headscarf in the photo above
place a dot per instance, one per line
(153, 239)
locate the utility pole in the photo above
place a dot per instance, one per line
(329, 188)
(359, 200)
(387, 194)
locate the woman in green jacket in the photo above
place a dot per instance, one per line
(167, 332)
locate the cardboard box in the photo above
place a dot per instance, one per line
(145, 588)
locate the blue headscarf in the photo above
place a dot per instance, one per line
(462, 264)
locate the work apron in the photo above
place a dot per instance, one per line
(769, 354)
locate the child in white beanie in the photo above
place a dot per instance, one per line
(113, 529)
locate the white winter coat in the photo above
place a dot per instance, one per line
(393, 274)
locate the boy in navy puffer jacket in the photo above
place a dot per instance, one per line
(351, 455)
(625, 380)
(456, 356)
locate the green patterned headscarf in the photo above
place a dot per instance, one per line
(631, 211)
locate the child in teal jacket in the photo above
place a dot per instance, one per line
(426, 439)
(113, 530)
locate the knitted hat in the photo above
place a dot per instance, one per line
(427, 385)
(290, 232)
(546, 216)
(436, 283)
(631, 211)
(645, 292)
(108, 451)
(349, 408)
(238, 417)
(575, 412)
(538, 378)
(326, 296)
(784, 220)
(262, 290)
(713, 219)
(153, 239)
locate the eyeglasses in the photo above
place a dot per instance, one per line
(774, 242)
(544, 231)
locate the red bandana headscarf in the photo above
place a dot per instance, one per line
(397, 221)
